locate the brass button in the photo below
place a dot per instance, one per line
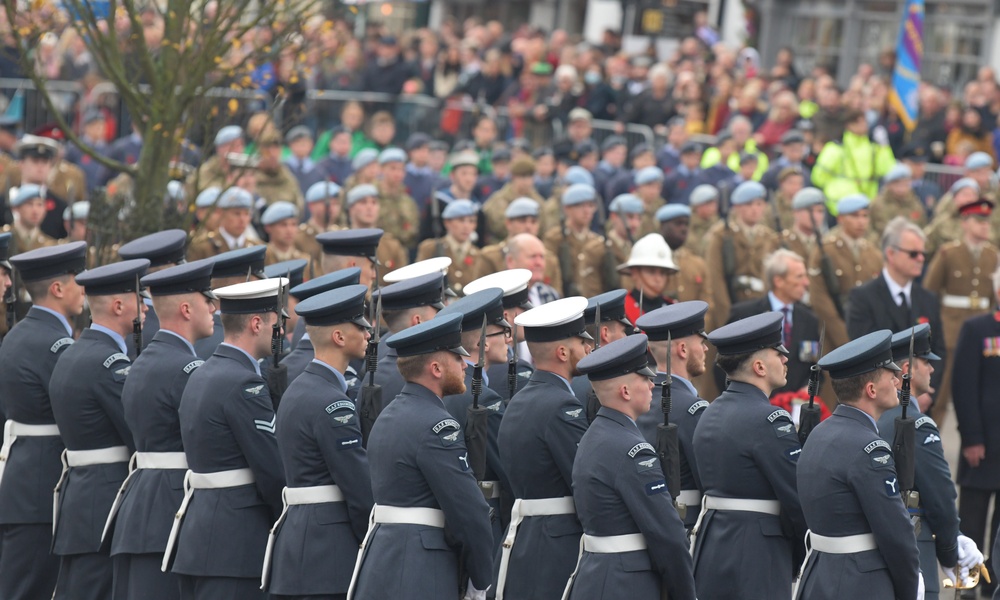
(579, 256)
(458, 273)
(839, 272)
(975, 282)
(975, 271)
(958, 274)
(857, 268)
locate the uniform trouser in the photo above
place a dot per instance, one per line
(139, 576)
(27, 568)
(84, 577)
(325, 597)
(973, 505)
(220, 588)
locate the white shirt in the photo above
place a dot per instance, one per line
(895, 289)
(234, 243)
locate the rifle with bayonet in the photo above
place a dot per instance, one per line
(809, 413)
(777, 219)
(371, 393)
(10, 299)
(728, 252)
(826, 269)
(512, 368)
(904, 446)
(137, 321)
(477, 420)
(277, 374)
(667, 445)
(593, 403)
(566, 259)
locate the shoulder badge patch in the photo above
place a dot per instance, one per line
(349, 443)
(778, 414)
(495, 407)
(61, 343)
(647, 463)
(339, 405)
(882, 461)
(656, 487)
(117, 356)
(446, 424)
(574, 413)
(891, 486)
(782, 429)
(925, 421)
(699, 405)
(267, 426)
(876, 445)
(792, 454)
(253, 390)
(119, 375)
(639, 448)
(931, 438)
(191, 366)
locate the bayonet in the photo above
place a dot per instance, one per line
(137, 321)
(477, 373)
(597, 321)
(642, 292)
(276, 345)
(666, 396)
(512, 368)
(904, 396)
(371, 354)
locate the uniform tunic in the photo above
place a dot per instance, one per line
(464, 259)
(538, 440)
(618, 488)
(227, 422)
(748, 449)
(418, 459)
(319, 437)
(888, 206)
(750, 247)
(848, 486)
(586, 254)
(496, 206)
(298, 359)
(86, 389)
(692, 281)
(399, 215)
(29, 354)
(851, 269)
(150, 398)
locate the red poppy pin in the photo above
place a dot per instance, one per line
(697, 279)
(922, 320)
(406, 225)
(390, 264)
(468, 261)
(50, 205)
(996, 316)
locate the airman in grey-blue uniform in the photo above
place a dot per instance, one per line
(139, 522)
(430, 517)
(161, 249)
(86, 392)
(313, 546)
(938, 537)
(229, 268)
(474, 308)
(232, 490)
(684, 325)
(634, 544)
(747, 450)
(538, 439)
(302, 349)
(614, 325)
(860, 536)
(31, 444)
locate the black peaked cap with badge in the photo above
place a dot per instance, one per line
(116, 278)
(240, 262)
(341, 305)
(424, 290)
(51, 261)
(189, 278)
(325, 283)
(921, 344)
(5, 250)
(293, 269)
(675, 321)
(619, 358)
(612, 308)
(435, 335)
(749, 335)
(350, 242)
(863, 355)
(160, 248)
(488, 302)
(554, 321)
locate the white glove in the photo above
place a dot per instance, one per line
(920, 586)
(880, 136)
(963, 573)
(471, 593)
(968, 553)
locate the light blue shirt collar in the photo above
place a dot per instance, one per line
(253, 361)
(62, 319)
(687, 383)
(178, 336)
(486, 378)
(114, 335)
(777, 305)
(568, 385)
(336, 373)
(874, 424)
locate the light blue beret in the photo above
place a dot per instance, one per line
(629, 204)
(897, 172)
(965, 182)
(361, 191)
(747, 192)
(279, 211)
(392, 155)
(457, 209)
(578, 193)
(521, 207)
(229, 133)
(978, 160)
(852, 203)
(28, 191)
(80, 211)
(322, 190)
(703, 194)
(577, 174)
(235, 197)
(207, 197)
(364, 158)
(669, 212)
(648, 175)
(807, 197)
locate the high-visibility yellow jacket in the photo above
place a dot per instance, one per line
(852, 166)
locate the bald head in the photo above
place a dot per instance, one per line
(525, 251)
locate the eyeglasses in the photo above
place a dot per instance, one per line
(914, 254)
(505, 332)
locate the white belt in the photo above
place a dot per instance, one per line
(201, 481)
(403, 515)
(317, 494)
(13, 430)
(143, 460)
(689, 497)
(967, 302)
(769, 507)
(833, 545)
(72, 459)
(753, 283)
(612, 544)
(523, 507)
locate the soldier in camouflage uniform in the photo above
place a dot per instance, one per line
(897, 199)
(460, 218)
(582, 259)
(363, 211)
(648, 188)
(323, 201)
(234, 225)
(521, 216)
(275, 181)
(399, 214)
(521, 185)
